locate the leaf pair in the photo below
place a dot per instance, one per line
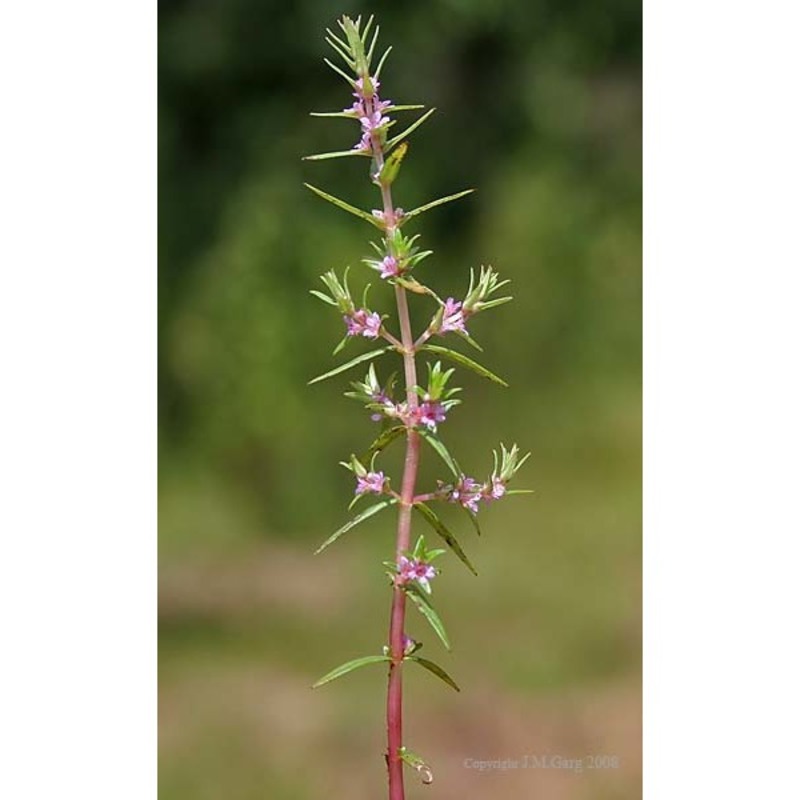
(364, 661)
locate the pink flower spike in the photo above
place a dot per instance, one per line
(452, 317)
(371, 482)
(389, 267)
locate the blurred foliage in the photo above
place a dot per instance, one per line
(539, 108)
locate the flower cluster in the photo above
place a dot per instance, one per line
(361, 322)
(470, 493)
(397, 254)
(413, 569)
(371, 482)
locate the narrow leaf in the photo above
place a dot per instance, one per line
(465, 361)
(440, 528)
(435, 669)
(371, 511)
(335, 154)
(383, 441)
(339, 71)
(441, 201)
(325, 299)
(343, 114)
(519, 491)
(427, 610)
(443, 452)
(414, 125)
(404, 108)
(473, 519)
(352, 363)
(469, 340)
(344, 206)
(381, 62)
(343, 669)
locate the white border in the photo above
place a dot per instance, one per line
(721, 399)
(78, 413)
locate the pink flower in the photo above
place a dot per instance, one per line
(496, 490)
(365, 143)
(468, 492)
(390, 267)
(409, 645)
(431, 413)
(357, 108)
(359, 92)
(412, 569)
(371, 482)
(372, 122)
(452, 317)
(363, 323)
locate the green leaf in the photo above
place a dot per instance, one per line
(352, 363)
(440, 528)
(339, 71)
(427, 610)
(343, 114)
(441, 201)
(335, 154)
(345, 206)
(435, 669)
(465, 361)
(469, 340)
(519, 491)
(443, 452)
(383, 441)
(377, 72)
(325, 299)
(366, 514)
(403, 108)
(343, 669)
(472, 518)
(414, 125)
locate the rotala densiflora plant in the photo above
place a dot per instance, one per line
(415, 413)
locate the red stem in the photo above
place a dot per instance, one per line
(394, 695)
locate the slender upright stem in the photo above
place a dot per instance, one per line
(394, 695)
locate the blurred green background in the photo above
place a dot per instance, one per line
(539, 107)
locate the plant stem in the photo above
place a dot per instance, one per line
(394, 695)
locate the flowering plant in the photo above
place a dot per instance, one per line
(417, 414)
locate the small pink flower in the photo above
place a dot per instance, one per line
(364, 143)
(371, 482)
(412, 569)
(431, 413)
(363, 323)
(359, 92)
(357, 108)
(373, 121)
(452, 317)
(409, 645)
(390, 267)
(496, 490)
(468, 492)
